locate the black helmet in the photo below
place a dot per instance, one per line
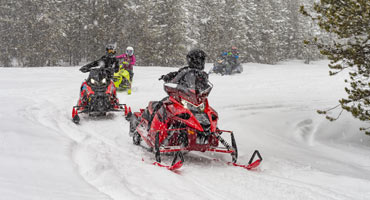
(196, 58)
(111, 50)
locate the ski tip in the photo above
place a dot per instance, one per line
(253, 165)
(176, 166)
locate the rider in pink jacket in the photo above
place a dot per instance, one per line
(130, 58)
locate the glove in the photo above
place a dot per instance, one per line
(84, 69)
(165, 78)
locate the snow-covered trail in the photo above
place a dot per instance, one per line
(269, 108)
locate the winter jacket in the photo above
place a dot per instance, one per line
(231, 58)
(130, 59)
(104, 61)
(234, 55)
(188, 77)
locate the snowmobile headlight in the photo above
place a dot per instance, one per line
(104, 81)
(201, 107)
(192, 107)
(184, 103)
(92, 81)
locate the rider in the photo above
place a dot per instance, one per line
(234, 54)
(232, 58)
(189, 76)
(130, 58)
(107, 61)
(196, 61)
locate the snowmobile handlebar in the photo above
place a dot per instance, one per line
(84, 69)
(87, 68)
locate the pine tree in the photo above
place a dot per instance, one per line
(267, 35)
(73, 24)
(136, 32)
(6, 21)
(168, 27)
(212, 29)
(50, 32)
(349, 22)
(249, 34)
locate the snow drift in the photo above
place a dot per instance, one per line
(272, 108)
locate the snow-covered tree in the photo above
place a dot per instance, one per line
(349, 22)
(50, 32)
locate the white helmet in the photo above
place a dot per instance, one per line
(130, 51)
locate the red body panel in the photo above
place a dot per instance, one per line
(184, 121)
(86, 92)
(173, 108)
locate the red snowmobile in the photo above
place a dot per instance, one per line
(97, 95)
(183, 122)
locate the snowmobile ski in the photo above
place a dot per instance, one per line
(251, 164)
(176, 166)
(173, 167)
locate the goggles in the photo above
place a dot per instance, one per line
(111, 51)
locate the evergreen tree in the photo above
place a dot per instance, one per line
(212, 28)
(168, 27)
(53, 32)
(136, 31)
(349, 22)
(73, 40)
(6, 21)
(249, 34)
(267, 35)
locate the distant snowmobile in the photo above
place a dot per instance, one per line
(122, 79)
(183, 122)
(225, 66)
(97, 95)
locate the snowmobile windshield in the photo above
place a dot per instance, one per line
(195, 80)
(191, 85)
(194, 97)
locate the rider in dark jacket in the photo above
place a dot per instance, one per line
(107, 61)
(191, 75)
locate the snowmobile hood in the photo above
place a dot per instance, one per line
(98, 77)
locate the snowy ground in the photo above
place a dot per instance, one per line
(43, 155)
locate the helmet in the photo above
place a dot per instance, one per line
(130, 51)
(196, 58)
(234, 49)
(111, 50)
